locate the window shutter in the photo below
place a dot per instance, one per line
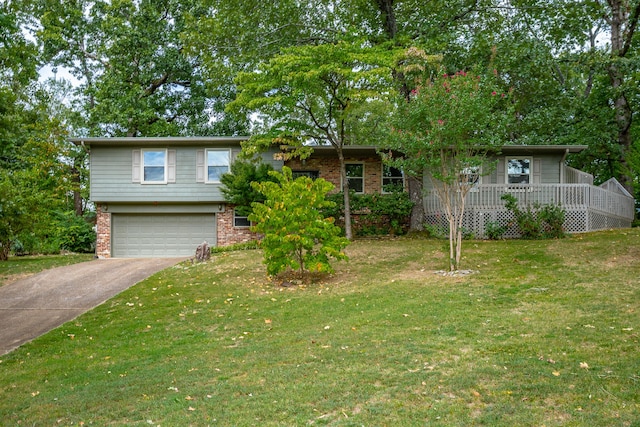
(200, 166)
(537, 172)
(500, 172)
(234, 155)
(171, 166)
(135, 166)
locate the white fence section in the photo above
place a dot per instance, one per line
(587, 207)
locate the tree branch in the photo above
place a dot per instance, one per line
(631, 28)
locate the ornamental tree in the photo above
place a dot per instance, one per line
(445, 130)
(315, 95)
(296, 234)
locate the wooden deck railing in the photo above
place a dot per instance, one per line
(568, 196)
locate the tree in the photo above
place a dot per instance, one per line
(296, 235)
(237, 188)
(314, 95)
(446, 130)
(136, 77)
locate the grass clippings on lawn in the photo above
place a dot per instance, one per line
(543, 333)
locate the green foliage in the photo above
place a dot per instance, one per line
(136, 77)
(535, 222)
(446, 128)
(74, 233)
(553, 217)
(20, 205)
(296, 235)
(494, 230)
(237, 187)
(377, 214)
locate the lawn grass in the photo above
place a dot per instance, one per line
(544, 333)
(23, 266)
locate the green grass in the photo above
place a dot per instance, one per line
(544, 333)
(20, 267)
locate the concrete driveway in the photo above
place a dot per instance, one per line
(33, 306)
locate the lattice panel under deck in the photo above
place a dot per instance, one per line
(576, 221)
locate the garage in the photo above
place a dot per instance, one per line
(160, 235)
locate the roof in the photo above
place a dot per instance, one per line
(165, 140)
(354, 150)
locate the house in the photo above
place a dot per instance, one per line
(537, 175)
(162, 196)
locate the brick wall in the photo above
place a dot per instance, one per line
(103, 237)
(329, 169)
(227, 233)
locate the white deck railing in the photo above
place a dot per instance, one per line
(568, 196)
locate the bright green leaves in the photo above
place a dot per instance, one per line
(445, 129)
(311, 93)
(449, 124)
(296, 235)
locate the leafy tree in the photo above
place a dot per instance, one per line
(296, 235)
(446, 130)
(314, 95)
(136, 77)
(237, 187)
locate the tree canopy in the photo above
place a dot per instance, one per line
(172, 67)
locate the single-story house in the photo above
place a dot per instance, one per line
(537, 175)
(160, 197)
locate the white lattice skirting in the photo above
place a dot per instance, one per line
(576, 221)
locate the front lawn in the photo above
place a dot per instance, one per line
(544, 333)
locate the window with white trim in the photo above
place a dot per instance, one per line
(519, 170)
(355, 176)
(154, 166)
(392, 179)
(241, 221)
(218, 162)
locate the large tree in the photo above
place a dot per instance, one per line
(135, 76)
(314, 95)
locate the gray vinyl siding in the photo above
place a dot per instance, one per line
(546, 170)
(111, 177)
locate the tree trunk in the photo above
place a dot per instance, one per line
(347, 200)
(4, 250)
(77, 197)
(417, 197)
(623, 22)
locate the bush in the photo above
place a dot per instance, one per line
(74, 233)
(553, 217)
(375, 214)
(296, 235)
(494, 230)
(536, 222)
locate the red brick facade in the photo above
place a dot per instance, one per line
(228, 234)
(103, 237)
(329, 169)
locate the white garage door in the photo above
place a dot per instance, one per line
(160, 235)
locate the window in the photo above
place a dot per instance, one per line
(217, 164)
(355, 176)
(470, 176)
(310, 174)
(519, 170)
(154, 166)
(240, 220)
(392, 179)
